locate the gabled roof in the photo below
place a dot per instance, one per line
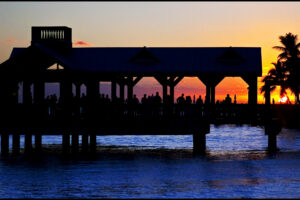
(169, 59)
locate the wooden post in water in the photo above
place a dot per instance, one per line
(272, 129)
(16, 144)
(93, 143)
(75, 143)
(66, 143)
(199, 139)
(28, 143)
(38, 143)
(4, 144)
(199, 143)
(85, 142)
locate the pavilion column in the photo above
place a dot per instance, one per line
(92, 91)
(172, 94)
(252, 89)
(129, 89)
(66, 96)
(121, 92)
(78, 90)
(172, 82)
(213, 94)
(27, 96)
(163, 80)
(77, 98)
(165, 93)
(207, 97)
(113, 91)
(252, 97)
(214, 82)
(39, 92)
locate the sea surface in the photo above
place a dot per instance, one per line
(236, 165)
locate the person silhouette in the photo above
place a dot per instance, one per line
(180, 100)
(199, 100)
(228, 99)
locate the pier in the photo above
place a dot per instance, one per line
(90, 117)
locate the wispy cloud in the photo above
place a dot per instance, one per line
(82, 43)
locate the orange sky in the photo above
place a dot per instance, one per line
(158, 24)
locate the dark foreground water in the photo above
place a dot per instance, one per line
(236, 166)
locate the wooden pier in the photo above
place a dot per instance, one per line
(51, 58)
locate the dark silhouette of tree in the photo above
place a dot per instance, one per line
(290, 57)
(276, 77)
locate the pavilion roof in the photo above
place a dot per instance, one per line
(233, 61)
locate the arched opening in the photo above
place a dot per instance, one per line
(82, 90)
(190, 86)
(147, 86)
(233, 86)
(52, 89)
(105, 89)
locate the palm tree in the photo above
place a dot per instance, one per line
(276, 76)
(290, 56)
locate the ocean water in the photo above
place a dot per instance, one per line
(237, 165)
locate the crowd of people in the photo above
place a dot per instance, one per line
(152, 99)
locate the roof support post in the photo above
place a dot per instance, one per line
(129, 89)
(252, 97)
(39, 92)
(66, 99)
(77, 90)
(121, 85)
(163, 80)
(27, 96)
(252, 89)
(173, 81)
(113, 91)
(92, 91)
(207, 83)
(214, 82)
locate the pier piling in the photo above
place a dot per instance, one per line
(66, 143)
(28, 143)
(272, 129)
(93, 143)
(85, 142)
(4, 144)
(38, 142)
(75, 143)
(199, 143)
(16, 144)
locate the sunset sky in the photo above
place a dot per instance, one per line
(159, 24)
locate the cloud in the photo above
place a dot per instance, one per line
(82, 43)
(11, 40)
